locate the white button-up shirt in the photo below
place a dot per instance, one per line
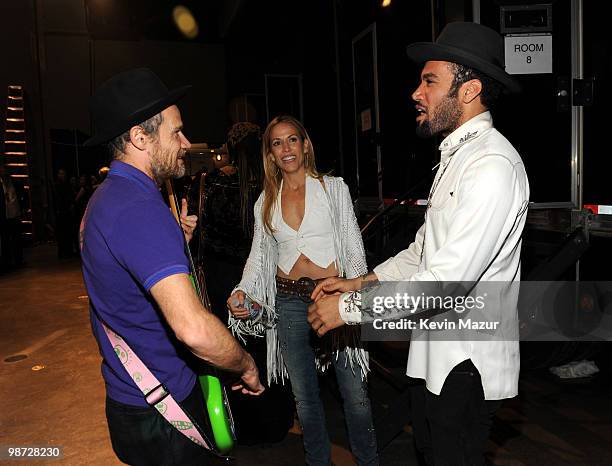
(472, 233)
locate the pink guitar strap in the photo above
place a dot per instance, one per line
(155, 393)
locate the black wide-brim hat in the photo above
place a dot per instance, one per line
(127, 99)
(469, 44)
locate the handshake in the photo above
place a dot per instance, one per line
(323, 313)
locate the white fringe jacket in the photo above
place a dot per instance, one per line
(259, 283)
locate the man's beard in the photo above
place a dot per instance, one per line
(445, 119)
(165, 164)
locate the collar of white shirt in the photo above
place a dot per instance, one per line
(468, 131)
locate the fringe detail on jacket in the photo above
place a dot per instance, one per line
(259, 284)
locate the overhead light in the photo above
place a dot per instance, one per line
(185, 22)
(386, 3)
(219, 157)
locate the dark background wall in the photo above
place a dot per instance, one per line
(270, 38)
(61, 50)
(20, 66)
(314, 39)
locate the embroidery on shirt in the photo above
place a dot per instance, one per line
(352, 303)
(468, 136)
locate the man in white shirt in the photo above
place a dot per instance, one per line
(472, 233)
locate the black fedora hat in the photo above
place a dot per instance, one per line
(127, 99)
(469, 44)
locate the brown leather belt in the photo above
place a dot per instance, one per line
(302, 288)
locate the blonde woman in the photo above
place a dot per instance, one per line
(305, 230)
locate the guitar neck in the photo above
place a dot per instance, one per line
(175, 208)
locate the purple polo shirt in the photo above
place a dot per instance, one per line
(131, 241)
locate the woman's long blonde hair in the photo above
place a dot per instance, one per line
(273, 174)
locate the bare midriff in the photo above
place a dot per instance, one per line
(304, 267)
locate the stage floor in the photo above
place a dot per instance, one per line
(55, 395)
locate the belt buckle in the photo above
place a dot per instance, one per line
(308, 285)
(156, 395)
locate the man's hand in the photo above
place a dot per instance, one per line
(188, 222)
(323, 315)
(250, 385)
(335, 285)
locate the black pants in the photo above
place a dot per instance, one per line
(141, 436)
(452, 428)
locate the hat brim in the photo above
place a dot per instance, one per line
(420, 52)
(116, 128)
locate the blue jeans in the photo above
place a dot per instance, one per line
(296, 340)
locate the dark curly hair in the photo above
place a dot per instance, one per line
(491, 89)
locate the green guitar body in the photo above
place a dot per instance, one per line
(218, 412)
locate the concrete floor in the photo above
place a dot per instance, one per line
(55, 396)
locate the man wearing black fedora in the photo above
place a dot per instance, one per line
(474, 218)
(143, 307)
